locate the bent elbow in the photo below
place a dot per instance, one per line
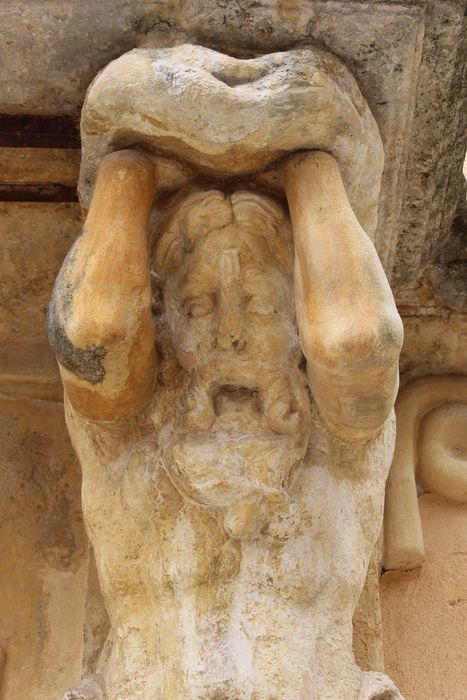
(356, 408)
(354, 376)
(366, 345)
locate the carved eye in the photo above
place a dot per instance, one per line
(261, 307)
(199, 306)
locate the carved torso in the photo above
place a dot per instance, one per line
(168, 564)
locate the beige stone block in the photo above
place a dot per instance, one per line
(39, 165)
(43, 545)
(425, 611)
(26, 357)
(40, 492)
(35, 238)
(434, 343)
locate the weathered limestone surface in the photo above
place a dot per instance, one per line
(432, 418)
(96, 624)
(35, 238)
(223, 500)
(43, 548)
(434, 343)
(434, 311)
(407, 55)
(30, 371)
(39, 165)
(367, 627)
(42, 540)
(233, 118)
(431, 446)
(366, 623)
(425, 611)
(426, 653)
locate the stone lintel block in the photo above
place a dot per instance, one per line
(39, 165)
(407, 56)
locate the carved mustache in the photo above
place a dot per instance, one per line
(281, 395)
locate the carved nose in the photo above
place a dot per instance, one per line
(229, 331)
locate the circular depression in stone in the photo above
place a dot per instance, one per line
(442, 452)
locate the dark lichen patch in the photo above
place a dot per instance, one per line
(84, 363)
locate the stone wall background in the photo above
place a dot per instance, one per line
(42, 539)
(409, 58)
(425, 611)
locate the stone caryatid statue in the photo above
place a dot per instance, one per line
(229, 373)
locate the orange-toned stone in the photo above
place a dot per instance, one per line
(425, 611)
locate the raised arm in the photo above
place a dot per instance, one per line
(99, 321)
(350, 330)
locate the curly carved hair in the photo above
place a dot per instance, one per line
(204, 211)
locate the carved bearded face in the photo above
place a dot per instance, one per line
(228, 294)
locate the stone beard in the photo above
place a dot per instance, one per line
(232, 527)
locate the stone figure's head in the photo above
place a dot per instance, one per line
(226, 265)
